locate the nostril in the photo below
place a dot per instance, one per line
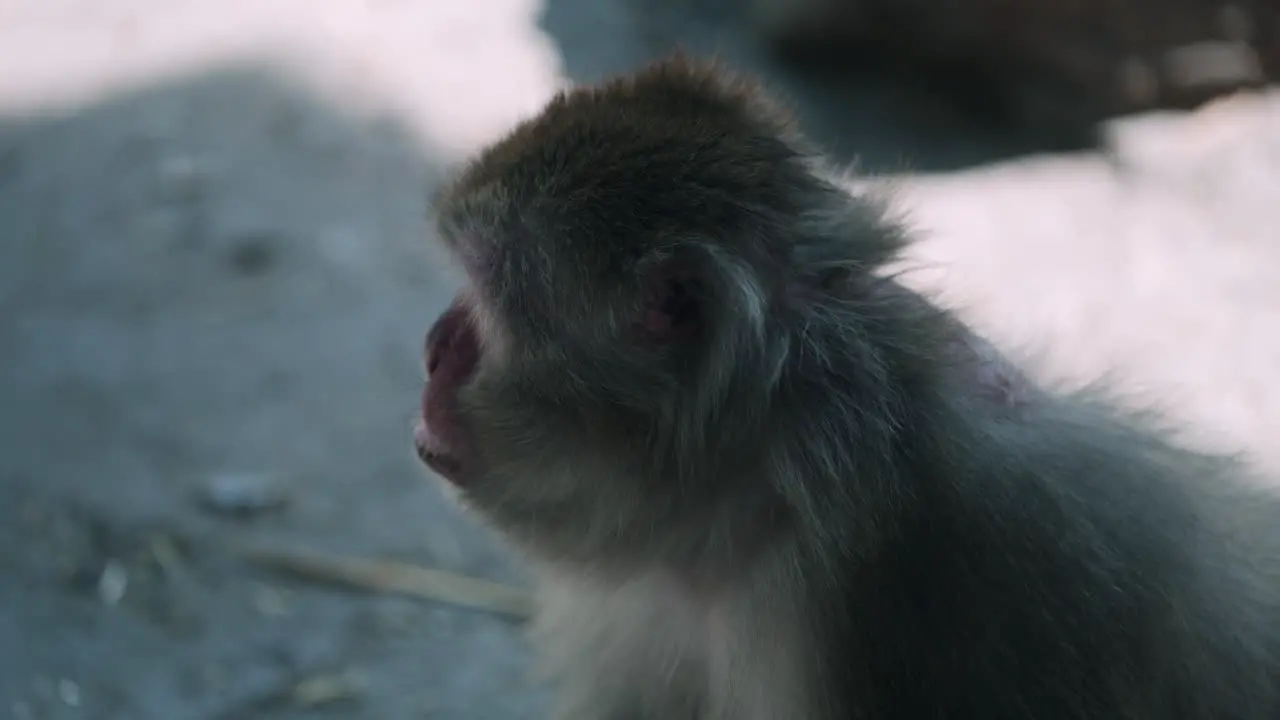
(438, 342)
(451, 343)
(434, 354)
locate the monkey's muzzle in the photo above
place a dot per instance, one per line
(452, 357)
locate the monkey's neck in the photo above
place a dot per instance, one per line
(870, 395)
(733, 542)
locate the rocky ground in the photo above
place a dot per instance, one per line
(215, 274)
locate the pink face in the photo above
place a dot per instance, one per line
(452, 358)
(454, 349)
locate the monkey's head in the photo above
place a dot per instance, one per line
(601, 387)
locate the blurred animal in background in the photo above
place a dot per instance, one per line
(1055, 67)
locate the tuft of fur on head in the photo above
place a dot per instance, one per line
(670, 280)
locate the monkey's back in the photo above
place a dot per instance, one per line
(1069, 563)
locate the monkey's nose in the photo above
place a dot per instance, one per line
(452, 335)
(436, 345)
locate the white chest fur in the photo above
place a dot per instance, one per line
(651, 646)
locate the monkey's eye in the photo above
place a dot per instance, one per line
(680, 303)
(673, 311)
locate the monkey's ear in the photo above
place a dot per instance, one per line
(673, 302)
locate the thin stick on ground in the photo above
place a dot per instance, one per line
(384, 576)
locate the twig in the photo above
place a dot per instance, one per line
(306, 693)
(393, 577)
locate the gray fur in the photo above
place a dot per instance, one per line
(837, 502)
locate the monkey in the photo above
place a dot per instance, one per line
(757, 477)
(1048, 70)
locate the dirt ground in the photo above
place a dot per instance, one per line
(215, 274)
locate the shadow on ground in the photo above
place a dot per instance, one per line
(222, 275)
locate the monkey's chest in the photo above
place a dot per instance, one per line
(650, 649)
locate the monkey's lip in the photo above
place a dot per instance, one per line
(435, 453)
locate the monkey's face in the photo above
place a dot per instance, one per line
(596, 389)
(560, 399)
(593, 393)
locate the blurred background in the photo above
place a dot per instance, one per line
(215, 274)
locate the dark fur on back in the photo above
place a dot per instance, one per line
(948, 549)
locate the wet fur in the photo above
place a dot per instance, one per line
(837, 502)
